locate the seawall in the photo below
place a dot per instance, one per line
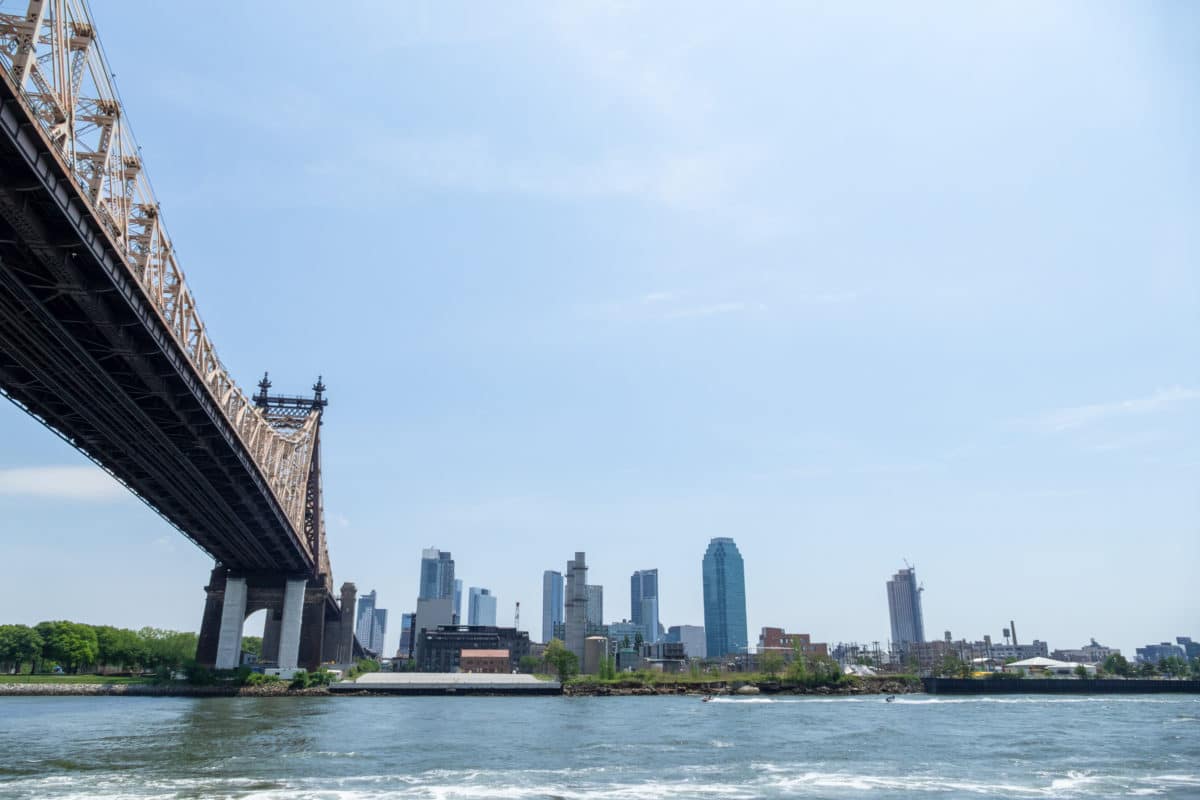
(862, 686)
(1058, 686)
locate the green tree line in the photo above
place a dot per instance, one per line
(77, 647)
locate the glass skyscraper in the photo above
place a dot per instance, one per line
(406, 636)
(552, 602)
(904, 608)
(481, 607)
(643, 602)
(595, 605)
(371, 624)
(437, 574)
(724, 599)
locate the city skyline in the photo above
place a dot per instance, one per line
(994, 305)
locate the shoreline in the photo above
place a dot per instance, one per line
(152, 690)
(867, 686)
(870, 686)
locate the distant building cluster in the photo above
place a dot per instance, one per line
(437, 638)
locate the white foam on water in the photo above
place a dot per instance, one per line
(743, 700)
(768, 780)
(913, 700)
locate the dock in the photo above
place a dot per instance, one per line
(446, 683)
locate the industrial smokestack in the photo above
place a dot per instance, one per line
(1013, 626)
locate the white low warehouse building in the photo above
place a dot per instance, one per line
(1049, 666)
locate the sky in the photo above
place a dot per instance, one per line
(853, 284)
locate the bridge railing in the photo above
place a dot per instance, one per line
(52, 56)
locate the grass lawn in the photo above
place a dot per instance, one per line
(69, 679)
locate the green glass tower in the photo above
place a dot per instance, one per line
(724, 599)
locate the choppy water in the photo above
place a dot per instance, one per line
(612, 748)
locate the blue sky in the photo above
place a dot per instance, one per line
(851, 285)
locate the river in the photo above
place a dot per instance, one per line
(592, 747)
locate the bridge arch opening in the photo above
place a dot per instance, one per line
(253, 637)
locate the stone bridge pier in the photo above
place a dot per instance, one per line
(304, 628)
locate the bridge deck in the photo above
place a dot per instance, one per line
(82, 349)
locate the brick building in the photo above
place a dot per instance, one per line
(492, 662)
(777, 640)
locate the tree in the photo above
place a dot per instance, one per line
(252, 645)
(770, 662)
(950, 666)
(564, 662)
(71, 644)
(529, 664)
(798, 669)
(638, 640)
(18, 644)
(1173, 666)
(1117, 664)
(168, 649)
(1080, 671)
(608, 668)
(119, 647)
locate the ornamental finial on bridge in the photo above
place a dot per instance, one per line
(318, 389)
(260, 399)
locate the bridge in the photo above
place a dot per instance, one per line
(101, 341)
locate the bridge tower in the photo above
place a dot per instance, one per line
(304, 627)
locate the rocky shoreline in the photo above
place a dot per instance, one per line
(152, 690)
(869, 686)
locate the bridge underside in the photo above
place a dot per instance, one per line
(82, 349)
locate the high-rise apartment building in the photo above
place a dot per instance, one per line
(904, 608)
(378, 631)
(458, 615)
(724, 599)
(405, 648)
(370, 624)
(576, 605)
(481, 607)
(552, 602)
(437, 574)
(643, 602)
(595, 605)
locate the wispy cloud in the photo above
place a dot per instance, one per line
(663, 306)
(67, 483)
(165, 544)
(1078, 416)
(710, 310)
(383, 160)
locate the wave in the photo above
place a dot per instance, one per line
(924, 699)
(767, 780)
(1036, 700)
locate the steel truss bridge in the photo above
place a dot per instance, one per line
(101, 341)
